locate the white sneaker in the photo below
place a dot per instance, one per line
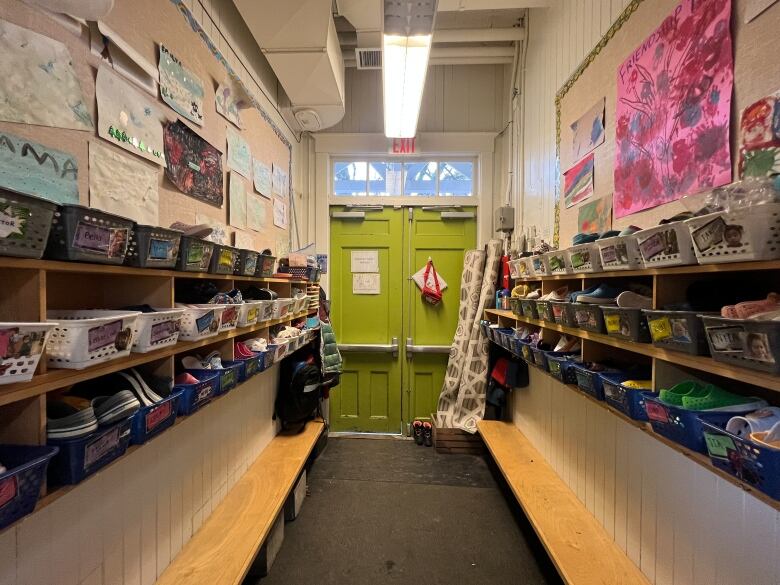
(632, 300)
(533, 295)
(559, 294)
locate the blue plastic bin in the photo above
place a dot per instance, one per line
(555, 361)
(629, 401)
(589, 381)
(228, 376)
(539, 358)
(152, 420)
(20, 485)
(194, 396)
(247, 367)
(80, 458)
(750, 462)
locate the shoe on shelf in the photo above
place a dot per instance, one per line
(185, 378)
(752, 309)
(559, 294)
(567, 344)
(427, 434)
(715, 398)
(115, 407)
(604, 294)
(632, 229)
(573, 295)
(417, 432)
(584, 239)
(631, 300)
(674, 395)
(757, 421)
(191, 362)
(67, 419)
(609, 234)
(638, 384)
(200, 230)
(258, 344)
(770, 438)
(138, 386)
(533, 295)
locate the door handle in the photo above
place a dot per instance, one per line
(391, 347)
(348, 214)
(411, 349)
(457, 215)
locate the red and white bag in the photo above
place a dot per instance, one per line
(431, 290)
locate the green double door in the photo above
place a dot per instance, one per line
(394, 344)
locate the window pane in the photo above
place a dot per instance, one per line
(456, 179)
(385, 178)
(420, 179)
(349, 178)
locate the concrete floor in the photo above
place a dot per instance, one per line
(388, 511)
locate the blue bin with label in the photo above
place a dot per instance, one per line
(195, 395)
(152, 420)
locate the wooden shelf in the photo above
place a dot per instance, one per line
(696, 362)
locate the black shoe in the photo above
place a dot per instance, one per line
(427, 431)
(417, 432)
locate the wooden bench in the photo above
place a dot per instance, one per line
(222, 551)
(578, 546)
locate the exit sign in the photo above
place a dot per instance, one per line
(403, 146)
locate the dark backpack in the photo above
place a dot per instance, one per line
(298, 399)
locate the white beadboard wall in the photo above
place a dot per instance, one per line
(124, 525)
(559, 38)
(680, 523)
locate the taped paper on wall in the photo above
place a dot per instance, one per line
(230, 100)
(364, 261)
(280, 214)
(219, 233)
(237, 204)
(242, 240)
(262, 178)
(366, 284)
(255, 212)
(180, 88)
(239, 157)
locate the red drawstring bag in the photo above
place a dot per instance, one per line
(432, 294)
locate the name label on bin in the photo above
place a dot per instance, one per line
(100, 447)
(660, 329)
(103, 335)
(709, 235)
(13, 221)
(228, 378)
(653, 245)
(204, 323)
(164, 330)
(157, 415)
(111, 242)
(229, 315)
(195, 253)
(8, 489)
(609, 254)
(160, 249)
(226, 258)
(613, 323)
(204, 392)
(719, 445)
(250, 266)
(580, 258)
(656, 412)
(251, 314)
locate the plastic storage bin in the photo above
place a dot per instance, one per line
(300, 303)
(265, 311)
(666, 245)
(281, 308)
(152, 420)
(584, 258)
(746, 460)
(153, 247)
(24, 344)
(514, 306)
(540, 265)
(563, 312)
(744, 342)
(629, 324)
(195, 254)
(85, 338)
(540, 357)
(80, 458)
(20, 484)
(224, 259)
(545, 311)
(265, 265)
(32, 219)
(227, 377)
(195, 395)
(521, 268)
(528, 309)
(248, 367)
(87, 235)
(199, 322)
(558, 262)
(589, 381)
(310, 273)
(248, 313)
(677, 330)
(156, 330)
(620, 253)
(560, 365)
(752, 233)
(504, 337)
(228, 317)
(247, 263)
(629, 401)
(588, 317)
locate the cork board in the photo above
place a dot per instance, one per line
(756, 74)
(145, 24)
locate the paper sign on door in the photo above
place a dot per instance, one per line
(365, 283)
(365, 261)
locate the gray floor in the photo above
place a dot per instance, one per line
(388, 511)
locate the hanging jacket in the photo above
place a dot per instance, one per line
(329, 350)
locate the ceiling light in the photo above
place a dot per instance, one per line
(403, 76)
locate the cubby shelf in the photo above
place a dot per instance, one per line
(645, 427)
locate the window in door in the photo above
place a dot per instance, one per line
(404, 178)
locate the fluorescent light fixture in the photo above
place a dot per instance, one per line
(403, 74)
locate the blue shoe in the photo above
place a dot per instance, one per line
(609, 234)
(584, 239)
(573, 296)
(603, 295)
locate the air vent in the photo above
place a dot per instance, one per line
(369, 58)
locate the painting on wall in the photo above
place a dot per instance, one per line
(229, 101)
(759, 140)
(38, 84)
(588, 131)
(237, 201)
(239, 157)
(255, 213)
(595, 217)
(280, 214)
(194, 165)
(673, 109)
(180, 88)
(262, 177)
(578, 182)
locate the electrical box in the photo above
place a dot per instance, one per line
(505, 219)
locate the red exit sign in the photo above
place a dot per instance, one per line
(403, 146)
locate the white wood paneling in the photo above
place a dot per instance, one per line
(680, 523)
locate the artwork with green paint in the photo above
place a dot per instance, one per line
(595, 216)
(180, 88)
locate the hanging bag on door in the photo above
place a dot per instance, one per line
(431, 290)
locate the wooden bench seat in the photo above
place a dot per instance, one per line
(578, 546)
(222, 551)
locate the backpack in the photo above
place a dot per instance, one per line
(298, 398)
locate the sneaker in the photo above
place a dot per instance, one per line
(748, 309)
(609, 234)
(638, 384)
(632, 229)
(427, 434)
(115, 407)
(559, 294)
(584, 239)
(259, 344)
(631, 300)
(201, 230)
(68, 419)
(603, 295)
(754, 422)
(417, 432)
(185, 379)
(567, 344)
(191, 362)
(533, 295)
(139, 387)
(573, 295)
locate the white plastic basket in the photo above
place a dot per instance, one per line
(620, 253)
(265, 311)
(282, 348)
(300, 304)
(584, 258)
(87, 337)
(21, 347)
(666, 245)
(558, 262)
(155, 330)
(738, 236)
(228, 318)
(540, 265)
(248, 313)
(281, 308)
(199, 322)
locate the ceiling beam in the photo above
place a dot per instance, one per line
(458, 5)
(478, 35)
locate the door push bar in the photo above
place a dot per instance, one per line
(348, 214)
(412, 349)
(391, 347)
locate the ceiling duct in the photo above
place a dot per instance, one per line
(299, 39)
(368, 58)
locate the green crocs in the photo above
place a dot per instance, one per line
(713, 397)
(675, 395)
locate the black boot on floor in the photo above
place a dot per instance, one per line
(427, 434)
(417, 432)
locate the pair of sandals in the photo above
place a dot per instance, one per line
(213, 361)
(422, 431)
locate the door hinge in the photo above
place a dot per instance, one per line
(411, 213)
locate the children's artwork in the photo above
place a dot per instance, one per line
(239, 157)
(255, 212)
(194, 165)
(280, 214)
(123, 185)
(759, 140)
(588, 131)
(595, 216)
(230, 100)
(578, 182)
(219, 231)
(673, 109)
(180, 88)
(755, 7)
(242, 240)
(282, 247)
(262, 177)
(279, 181)
(36, 169)
(127, 118)
(37, 82)
(237, 206)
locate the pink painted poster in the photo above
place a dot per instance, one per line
(673, 109)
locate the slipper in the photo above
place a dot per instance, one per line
(754, 422)
(770, 438)
(66, 421)
(632, 229)
(715, 398)
(116, 407)
(674, 395)
(190, 362)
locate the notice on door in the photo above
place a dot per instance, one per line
(365, 283)
(365, 261)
